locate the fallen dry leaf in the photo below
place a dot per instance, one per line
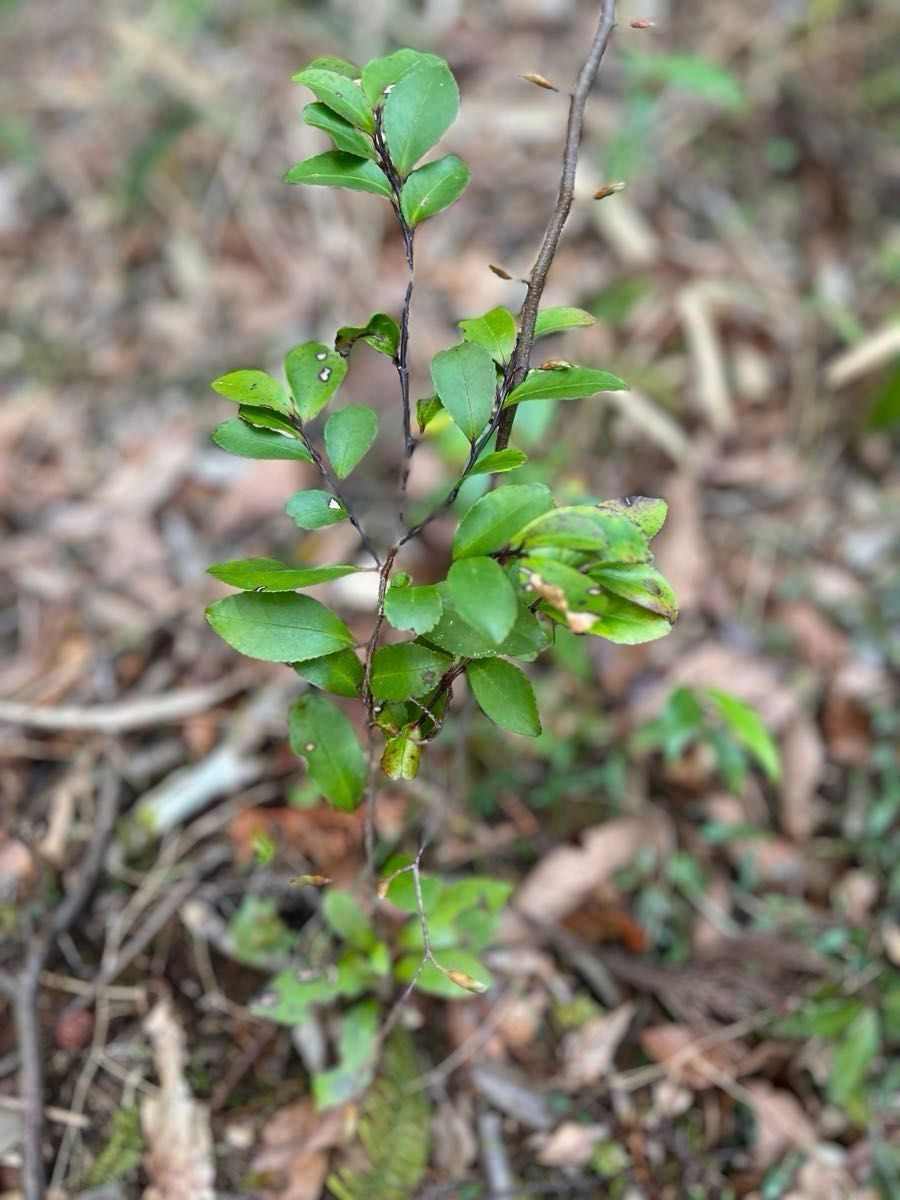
(571, 1144)
(569, 874)
(179, 1159)
(781, 1123)
(802, 766)
(589, 1051)
(681, 1051)
(295, 1145)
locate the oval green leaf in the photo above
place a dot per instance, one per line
(278, 628)
(335, 168)
(465, 378)
(483, 596)
(494, 521)
(413, 608)
(348, 435)
(401, 757)
(504, 694)
(495, 331)
(237, 437)
(314, 372)
(382, 72)
(565, 383)
(341, 132)
(320, 733)
(647, 512)
(418, 111)
(341, 94)
(406, 670)
(341, 673)
(432, 188)
(273, 576)
(381, 332)
(555, 320)
(255, 388)
(315, 509)
(500, 461)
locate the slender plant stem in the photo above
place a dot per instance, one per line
(521, 356)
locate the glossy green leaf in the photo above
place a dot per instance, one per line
(607, 537)
(495, 332)
(402, 756)
(418, 111)
(465, 378)
(495, 520)
(406, 670)
(747, 726)
(483, 596)
(619, 621)
(339, 66)
(500, 461)
(348, 435)
(555, 320)
(357, 1058)
(278, 627)
(314, 509)
(320, 733)
(273, 576)
(335, 168)
(255, 388)
(382, 72)
(315, 372)
(237, 437)
(433, 982)
(344, 916)
(341, 673)
(854, 1055)
(341, 132)
(381, 332)
(647, 512)
(432, 188)
(414, 608)
(341, 94)
(267, 418)
(426, 410)
(641, 584)
(504, 694)
(526, 639)
(565, 383)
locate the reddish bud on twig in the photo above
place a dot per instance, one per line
(642, 23)
(609, 189)
(312, 880)
(499, 271)
(461, 979)
(539, 81)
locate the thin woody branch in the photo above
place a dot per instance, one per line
(521, 357)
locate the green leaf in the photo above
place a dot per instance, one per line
(415, 608)
(565, 383)
(341, 673)
(402, 892)
(288, 1000)
(314, 509)
(432, 188)
(606, 536)
(426, 410)
(334, 168)
(344, 916)
(746, 725)
(853, 1056)
(381, 332)
(555, 320)
(274, 576)
(237, 437)
(406, 670)
(619, 621)
(278, 628)
(483, 596)
(434, 982)
(495, 332)
(340, 66)
(382, 72)
(465, 378)
(505, 695)
(348, 435)
(647, 512)
(401, 757)
(340, 94)
(357, 1054)
(253, 387)
(499, 461)
(341, 132)
(267, 418)
(494, 521)
(315, 372)
(418, 111)
(641, 584)
(526, 640)
(320, 733)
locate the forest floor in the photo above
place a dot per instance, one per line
(697, 972)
